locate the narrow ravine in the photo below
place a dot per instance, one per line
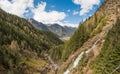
(75, 63)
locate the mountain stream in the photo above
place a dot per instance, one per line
(76, 61)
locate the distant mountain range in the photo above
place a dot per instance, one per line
(61, 31)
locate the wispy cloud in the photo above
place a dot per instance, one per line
(68, 10)
(27, 8)
(75, 12)
(17, 7)
(86, 5)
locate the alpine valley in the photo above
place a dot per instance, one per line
(31, 47)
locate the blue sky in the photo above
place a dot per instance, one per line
(63, 12)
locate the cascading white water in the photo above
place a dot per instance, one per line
(75, 63)
(88, 51)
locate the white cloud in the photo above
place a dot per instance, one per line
(75, 12)
(47, 17)
(67, 24)
(86, 5)
(68, 10)
(17, 7)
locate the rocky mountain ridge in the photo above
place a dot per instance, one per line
(61, 31)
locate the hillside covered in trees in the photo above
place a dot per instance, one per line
(22, 47)
(109, 58)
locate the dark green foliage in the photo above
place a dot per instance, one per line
(88, 29)
(18, 39)
(75, 42)
(56, 53)
(14, 28)
(10, 60)
(82, 63)
(109, 58)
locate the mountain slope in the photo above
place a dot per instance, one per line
(92, 26)
(61, 31)
(22, 47)
(110, 52)
(38, 25)
(55, 28)
(90, 39)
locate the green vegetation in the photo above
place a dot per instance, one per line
(76, 41)
(22, 47)
(86, 30)
(82, 63)
(91, 27)
(109, 58)
(56, 53)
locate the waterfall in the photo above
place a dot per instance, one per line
(75, 63)
(88, 51)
